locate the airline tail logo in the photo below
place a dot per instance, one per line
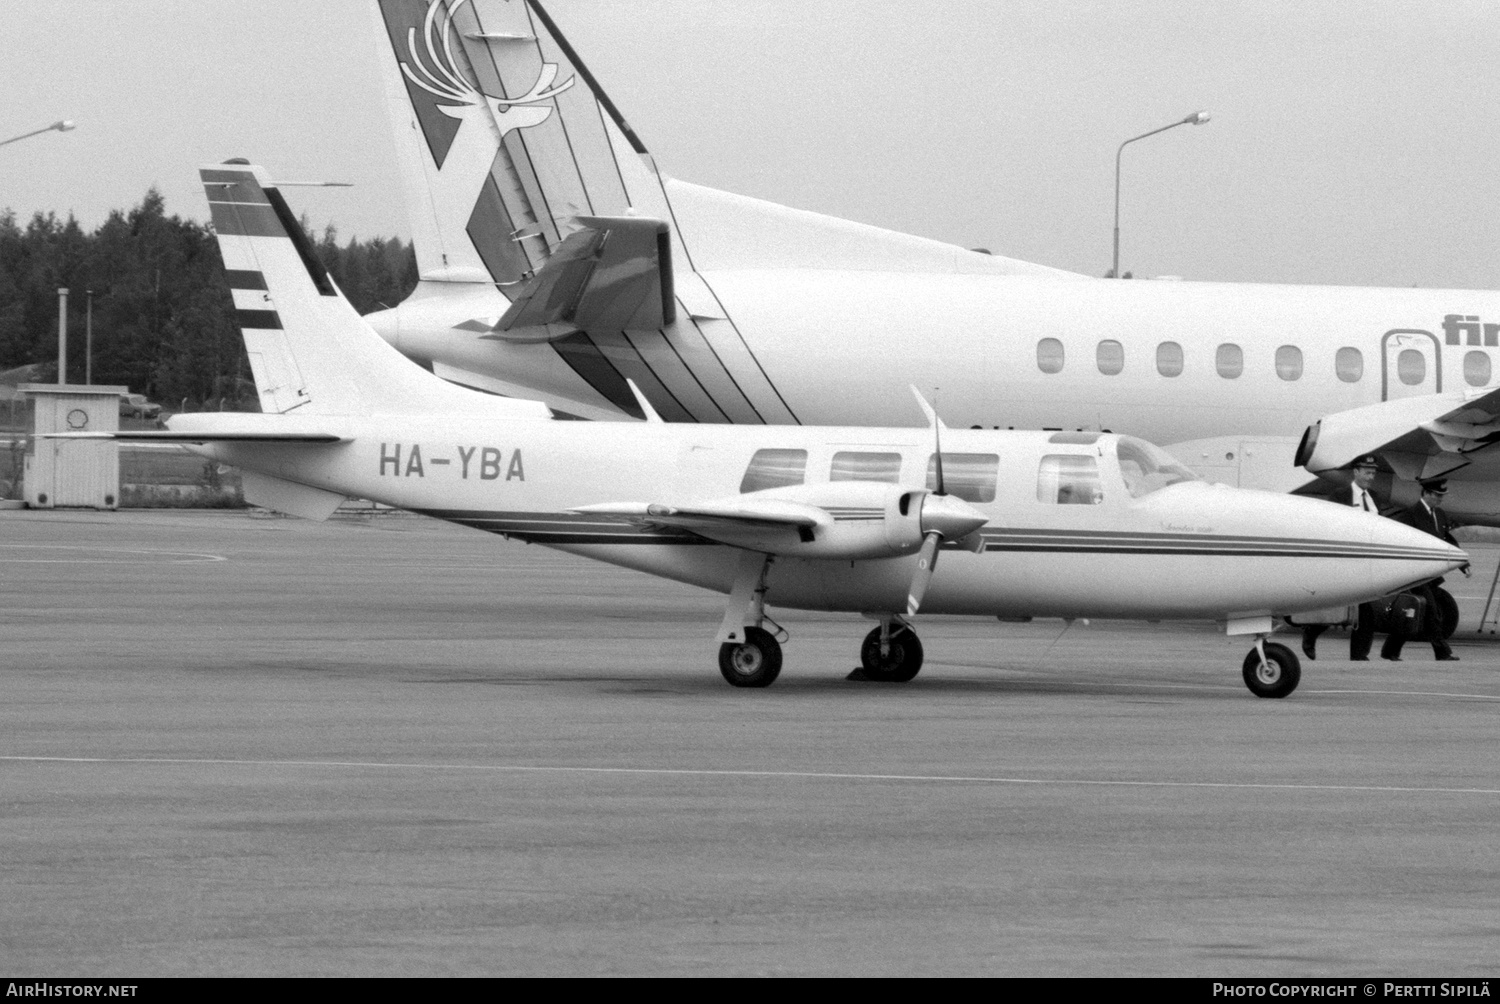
(437, 65)
(440, 75)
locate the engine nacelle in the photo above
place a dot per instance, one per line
(857, 520)
(1406, 432)
(840, 520)
(861, 520)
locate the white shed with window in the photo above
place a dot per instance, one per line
(72, 472)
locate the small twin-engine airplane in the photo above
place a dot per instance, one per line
(847, 519)
(557, 262)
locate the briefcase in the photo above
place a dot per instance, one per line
(1407, 612)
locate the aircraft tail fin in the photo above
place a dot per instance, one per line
(504, 137)
(310, 352)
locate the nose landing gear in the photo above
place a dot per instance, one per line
(1271, 670)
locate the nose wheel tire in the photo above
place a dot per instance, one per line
(754, 662)
(902, 660)
(1278, 677)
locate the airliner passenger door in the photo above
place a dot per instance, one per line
(1411, 364)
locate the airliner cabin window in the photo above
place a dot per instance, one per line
(1049, 355)
(1289, 362)
(1477, 369)
(970, 476)
(1111, 357)
(1169, 359)
(1068, 479)
(851, 466)
(775, 469)
(1411, 367)
(1147, 467)
(1349, 364)
(1229, 360)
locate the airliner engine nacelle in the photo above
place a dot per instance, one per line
(1416, 436)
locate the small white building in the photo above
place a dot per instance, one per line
(72, 472)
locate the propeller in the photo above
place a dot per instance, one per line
(943, 517)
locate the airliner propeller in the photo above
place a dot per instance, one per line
(943, 517)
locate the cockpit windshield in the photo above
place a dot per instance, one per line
(1148, 468)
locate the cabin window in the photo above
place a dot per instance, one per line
(1229, 360)
(851, 466)
(1068, 479)
(1169, 359)
(1110, 356)
(970, 476)
(1049, 355)
(1349, 364)
(1411, 367)
(775, 469)
(1147, 467)
(1289, 362)
(1477, 369)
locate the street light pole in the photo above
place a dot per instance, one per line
(61, 126)
(1197, 118)
(62, 334)
(88, 340)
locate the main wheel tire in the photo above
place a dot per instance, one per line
(1278, 677)
(754, 662)
(902, 661)
(1447, 610)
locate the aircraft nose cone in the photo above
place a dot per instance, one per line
(950, 516)
(1406, 555)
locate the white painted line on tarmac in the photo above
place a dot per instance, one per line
(1021, 675)
(786, 774)
(180, 557)
(1408, 693)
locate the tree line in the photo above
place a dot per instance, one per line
(163, 318)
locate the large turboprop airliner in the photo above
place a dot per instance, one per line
(845, 519)
(558, 262)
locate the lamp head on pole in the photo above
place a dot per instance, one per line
(1197, 118)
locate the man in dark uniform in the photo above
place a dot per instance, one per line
(1428, 516)
(1363, 637)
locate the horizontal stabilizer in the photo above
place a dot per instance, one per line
(224, 436)
(614, 274)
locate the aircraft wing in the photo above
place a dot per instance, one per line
(612, 275)
(706, 519)
(1420, 437)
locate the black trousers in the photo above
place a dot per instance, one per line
(1361, 640)
(1432, 628)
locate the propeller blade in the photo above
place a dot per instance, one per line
(926, 562)
(937, 442)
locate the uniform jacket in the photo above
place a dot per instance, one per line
(1344, 495)
(1436, 522)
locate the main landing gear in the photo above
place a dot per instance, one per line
(892, 653)
(753, 662)
(1271, 670)
(750, 656)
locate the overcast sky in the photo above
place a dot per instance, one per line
(1351, 142)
